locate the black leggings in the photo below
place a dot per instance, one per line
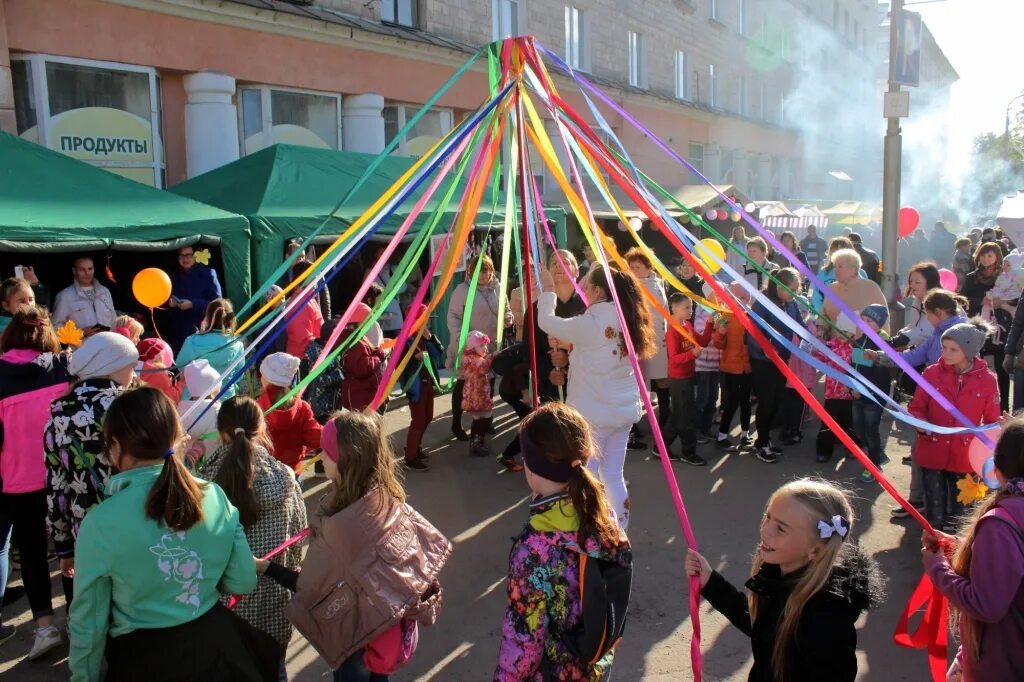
(771, 387)
(736, 388)
(1003, 378)
(27, 513)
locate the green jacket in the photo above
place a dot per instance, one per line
(132, 573)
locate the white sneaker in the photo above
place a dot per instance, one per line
(46, 640)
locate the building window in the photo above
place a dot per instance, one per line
(762, 101)
(680, 75)
(695, 155)
(400, 12)
(741, 96)
(431, 127)
(104, 113)
(576, 47)
(712, 86)
(637, 65)
(506, 18)
(714, 10)
(743, 17)
(273, 115)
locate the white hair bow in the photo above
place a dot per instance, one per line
(837, 525)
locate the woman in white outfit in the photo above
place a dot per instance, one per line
(602, 384)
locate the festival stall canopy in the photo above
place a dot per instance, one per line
(1011, 217)
(288, 191)
(52, 203)
(697, 198)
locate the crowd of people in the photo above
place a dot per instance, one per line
(163, 486)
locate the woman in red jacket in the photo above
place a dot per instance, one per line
(293, 429)
(965, 379)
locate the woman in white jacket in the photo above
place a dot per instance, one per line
(483, 317)
(602, 384)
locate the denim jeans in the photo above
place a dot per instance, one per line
(940, 494)
(867, 422)
(707, 399)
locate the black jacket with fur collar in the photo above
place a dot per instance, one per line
(825, 645)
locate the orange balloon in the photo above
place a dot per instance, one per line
(152, 287)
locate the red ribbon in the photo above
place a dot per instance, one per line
(933, 631)
(298, 537)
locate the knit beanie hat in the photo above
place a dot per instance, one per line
(877, 313)
(1015, 259)
(279, 369)
(201, 378)
(101, 355)
(970, 337)
(845, 325)
(156, 349)
(476, 339)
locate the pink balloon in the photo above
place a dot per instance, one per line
(978, 452)
(947, 278)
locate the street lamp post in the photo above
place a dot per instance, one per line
(891, 169)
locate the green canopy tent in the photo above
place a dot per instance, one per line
(53, 204)
(287, 191)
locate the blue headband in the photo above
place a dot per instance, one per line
(539, 463)
(169, 453)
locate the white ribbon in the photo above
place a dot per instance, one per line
(837, 525)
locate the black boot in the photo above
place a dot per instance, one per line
(458, 433)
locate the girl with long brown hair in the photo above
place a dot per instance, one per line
(984, 581)
(269, 502)
(809, 584)
(215, 341)
(371, 556)
(602, 384)
(570, 519)
(153, 559)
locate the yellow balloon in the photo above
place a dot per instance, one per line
(152, 287)
(706, 247)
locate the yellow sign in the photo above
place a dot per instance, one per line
(102, 134)
(285, 133)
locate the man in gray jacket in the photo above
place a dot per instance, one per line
(86, 302)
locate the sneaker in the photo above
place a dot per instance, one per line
(460, 434)
(693, 458)
(766, 455)
(672, 457)
(725, 444)
(907, 460)
(46, 639)
(417, 465)
(509, 463)
(885, 460)
(868, 477)
(901, 513)
(703, 438)
(774, 448)
(746, 441)
(636, 443)
(792, 439)
(6, 632)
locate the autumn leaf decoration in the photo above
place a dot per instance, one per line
(203, 256)
(971, 489)
(70, 334)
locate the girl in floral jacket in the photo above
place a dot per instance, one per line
(476, 390)
(838, 396)
(77, 467)
(569, 516)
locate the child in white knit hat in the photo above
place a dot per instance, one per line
(1008, 286)
(292, 427)
(203, 383)
(477, 402)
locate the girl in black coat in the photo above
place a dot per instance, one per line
(809, 585)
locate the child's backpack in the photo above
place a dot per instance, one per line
(604, 597)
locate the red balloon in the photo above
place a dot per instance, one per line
(723, 214)
(978, 452)
(909, 220)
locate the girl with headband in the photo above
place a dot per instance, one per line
(982, 572)
(569, 516)
(153, 560)
(269, 502)
(808, 586)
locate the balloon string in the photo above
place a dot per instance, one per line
(152, 319)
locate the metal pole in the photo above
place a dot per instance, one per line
(891, 170)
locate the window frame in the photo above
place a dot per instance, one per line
(266, 110)
(496, 23)
(636, 62)
(690, 155)
(681, 81)
(40, 91)
(448, 117)
(741, 95)
(712, 86)
(713, 13)
(414, 8)
(577, 29)
(744, 24)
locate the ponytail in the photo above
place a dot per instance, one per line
(145, 424)
(587, 495)
(241, 421)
